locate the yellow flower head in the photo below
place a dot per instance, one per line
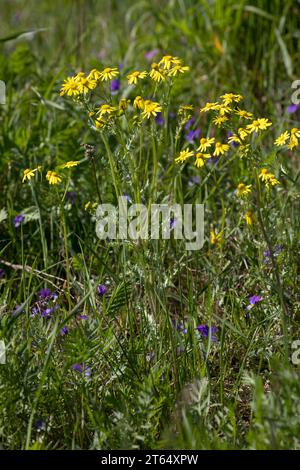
(229, 98)
(219, 120)
(135, 76)
(157, 74)
(151, 108)
(259, 124)
(70, 87)
(53, 178)
(84, 83)
(243, 189)
(243, 113)
(139, 103)
(205, 143)
(177, 69)
(210, 107)
(220, 149)
(267, 177)
(71, 164)
(123, 104)
(28, 174)
(249, 217)
(234, 139)
(106, 109)
(94, 75)
(168, 61)
(108, 73)
(282, 139)
(216, 238)
(200, 159)
(184, 155)
(243, 133)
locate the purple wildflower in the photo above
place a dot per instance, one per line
(194, 180)
(2, 273)
(189, 123)
(18, 220)
(254, 299)
(173, 223)
(64, 331)
(83, 317)
(115, 86)
(79, 367)
(159, 119)
(71, 197)
(192, 135)
(101, 289)
(151, 54)
(40, 425)
(47, 312)
(45, 294)
(205, 331)
(292, 108)
(127, 197)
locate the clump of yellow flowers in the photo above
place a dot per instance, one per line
(51, 176)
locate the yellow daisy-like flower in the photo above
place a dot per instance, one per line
(178, 69)
(184, 109)
(139, 103)
(106, 109)
(151, 108)
(70, 87)
(243, 133)
(216, 238)
(267, 177)
(205, 144)
(234, 139)
(224, 110)
(84, 83)
(99, 123)
(259, 125)
(157, 74)
(243, 113)
(220, 149)
(249, 218)
(219, 120)
(243, 189)
(123, 104)
(28, 174)
(229, 98)
(53, 177)
(210, 107)
(71, 164)
(135, 76)
(184, 155)
(108, 73)
(168, 61)
(94, 75)
(200, 157)
(282, 139)
(295, 134)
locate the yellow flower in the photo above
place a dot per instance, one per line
(168, 61)
(123, 104)
(70, 87)
(228, 98)
(94, 75)
(135, 76)
(295, 133)
(249, 217)
(108, 73)
(84, 83)
(210, 107)
(71, 164)
(151, 108)
(243, 133)
(184, 155)
(53, 177)
(243, 113)
(224, 110)
(234, 139)
(282, 139)
(139, 103)
(216, 239)
(178, 69)
(28, 174)
(184, 108)
(259, 124)
(220, 149)
(205, 144)
(243, 189)
(99, 123)
(106, 109)
(243, 150)
(199, 162)
(157, 74)
(267, 177)
(219, 120)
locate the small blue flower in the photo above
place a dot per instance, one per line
(64, 331)
(115, 86)
(18, 220)
(101, 289)
(292, 108)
